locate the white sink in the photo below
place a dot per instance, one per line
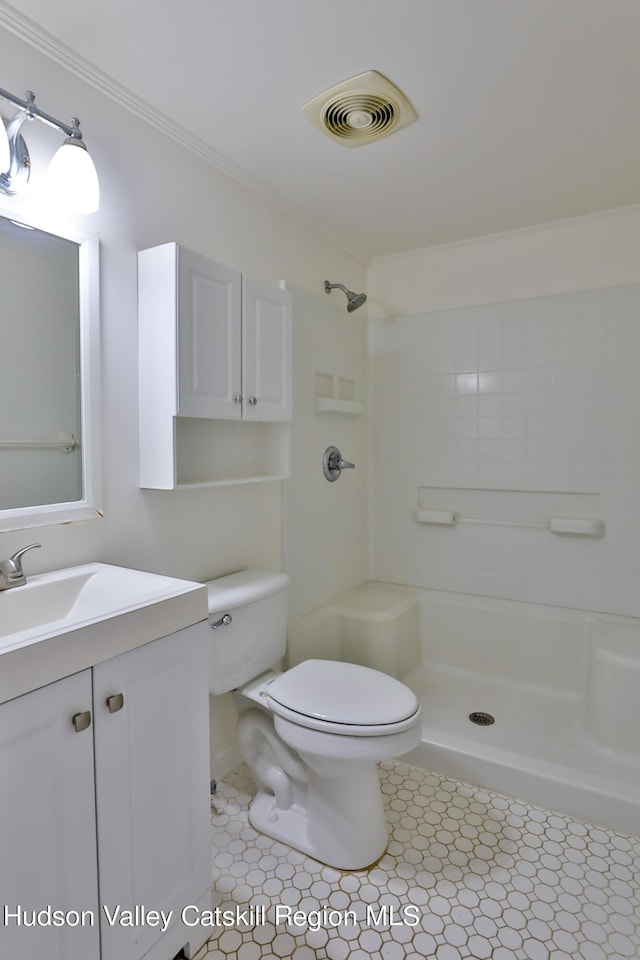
(50, 603)
(40, 601)
(93, 612)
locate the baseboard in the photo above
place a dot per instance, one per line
(224, 761)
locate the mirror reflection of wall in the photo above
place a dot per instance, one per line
(40, 408)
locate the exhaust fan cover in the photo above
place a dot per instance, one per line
(359, 110)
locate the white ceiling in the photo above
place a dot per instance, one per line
(528, 109)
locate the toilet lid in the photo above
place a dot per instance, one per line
(344, 693)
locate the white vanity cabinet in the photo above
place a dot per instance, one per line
(214, 345)
(140, 836)
(47, 822)
(152, 787)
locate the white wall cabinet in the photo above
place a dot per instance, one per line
(214, 346)
(141, 837)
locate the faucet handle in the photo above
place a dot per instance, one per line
(11, 572)
(19, 553)
(16, 559)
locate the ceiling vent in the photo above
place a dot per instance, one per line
(359, 110)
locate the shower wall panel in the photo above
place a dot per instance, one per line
(529, 395)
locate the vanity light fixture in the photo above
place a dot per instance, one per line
(72, 177)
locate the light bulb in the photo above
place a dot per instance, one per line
(5, 154)
(72, 179)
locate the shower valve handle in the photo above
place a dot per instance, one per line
(333, 464)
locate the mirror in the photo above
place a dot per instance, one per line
(49, 375)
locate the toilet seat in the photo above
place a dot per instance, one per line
(342, 698)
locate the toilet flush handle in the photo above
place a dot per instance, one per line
(222, 622)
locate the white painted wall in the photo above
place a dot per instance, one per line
(538, 393)
(152, 191)
(581, 254)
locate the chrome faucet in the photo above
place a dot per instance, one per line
(11, 572)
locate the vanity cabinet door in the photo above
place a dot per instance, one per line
(266, 352)
(209, 338)
(152, 784)
(47, 823)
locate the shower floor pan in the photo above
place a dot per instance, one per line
(537, 748)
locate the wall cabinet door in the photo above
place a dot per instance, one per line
(234, 344)
(152, 783)
(47, 822)
(209, 338)
(266, 352)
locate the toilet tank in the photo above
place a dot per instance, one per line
(255, 636)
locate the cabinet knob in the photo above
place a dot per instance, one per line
(81, 720)
(253, 401)
(237, 398)
(115, 702)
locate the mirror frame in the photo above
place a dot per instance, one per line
(89, 507)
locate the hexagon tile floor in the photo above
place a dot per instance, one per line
(467, 874)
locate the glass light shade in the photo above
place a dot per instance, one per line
(5, 156)
(72, 179)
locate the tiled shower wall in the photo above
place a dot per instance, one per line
(536, 395)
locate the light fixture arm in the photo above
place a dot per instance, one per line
(76, 178)
(19, 160)
(35, 113)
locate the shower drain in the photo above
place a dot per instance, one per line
(481, 718)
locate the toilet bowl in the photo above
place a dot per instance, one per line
(312, 735)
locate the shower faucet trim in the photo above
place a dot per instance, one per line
(333, 464)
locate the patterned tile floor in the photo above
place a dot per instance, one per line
(467, 874)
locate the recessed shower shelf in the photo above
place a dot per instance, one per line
(334, 405)
(336, 394)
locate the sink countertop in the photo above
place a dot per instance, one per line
(65, 621)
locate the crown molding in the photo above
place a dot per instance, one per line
(30, 32)
(628, 209)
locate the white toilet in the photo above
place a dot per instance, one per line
(311, 735)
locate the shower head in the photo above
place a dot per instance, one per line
(354, 300)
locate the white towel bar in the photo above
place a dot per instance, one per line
(65, 444)
(573, 526)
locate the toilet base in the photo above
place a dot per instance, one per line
(322, 824)
(318, 792)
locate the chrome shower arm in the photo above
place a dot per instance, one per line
(328, 287)
(354, 300)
